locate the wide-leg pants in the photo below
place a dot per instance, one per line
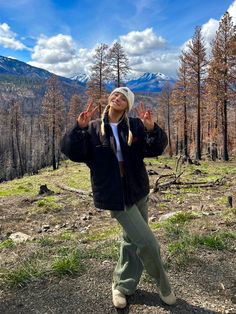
(139, 249)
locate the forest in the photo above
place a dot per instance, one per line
(198, 113)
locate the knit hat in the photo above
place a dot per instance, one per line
(127, 93)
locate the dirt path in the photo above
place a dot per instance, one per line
(196, 290)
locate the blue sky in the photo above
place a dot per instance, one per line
(61, 36)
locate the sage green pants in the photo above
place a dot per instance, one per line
(139, 249)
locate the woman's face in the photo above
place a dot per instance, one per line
(118, 102)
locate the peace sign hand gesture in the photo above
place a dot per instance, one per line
(146, 116)
(85, 116)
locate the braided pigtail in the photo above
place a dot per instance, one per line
(130, 135)
(102, 118)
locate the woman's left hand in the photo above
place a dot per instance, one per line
(146, 116)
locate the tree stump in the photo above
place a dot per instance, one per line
(43, 189)
(230, 201)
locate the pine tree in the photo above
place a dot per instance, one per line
(15, 116)
(99, 76)
(119, 63)
(222, 73)
(53, 118)
(196, 63)
(165, 101)
(181, 100)
(74, 110)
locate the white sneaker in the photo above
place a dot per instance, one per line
(119, 299)
(169, 299)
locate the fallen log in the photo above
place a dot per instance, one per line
(67, 188)
(181, 185)
(165, 185)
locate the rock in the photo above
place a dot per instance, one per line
(197, 172)
(152, 172)
(152, 218)
(45, 228)
(19, 237)
(86, 217)
(168, 215)
(84, 229)
(167, 167)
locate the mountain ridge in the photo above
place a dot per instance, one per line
(152, 82)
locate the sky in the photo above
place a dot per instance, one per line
(61, 36)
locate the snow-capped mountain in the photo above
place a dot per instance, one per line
(82, 78)
(148, 82)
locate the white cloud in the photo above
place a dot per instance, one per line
(59, 48)
(165, 63)
(208, 34)
(209, 31)
(210, 28)
(8, 38)
(138, 43)
(232, 11)
(61, 55)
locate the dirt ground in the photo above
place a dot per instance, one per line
(206, 285)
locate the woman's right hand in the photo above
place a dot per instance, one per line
(85, 116)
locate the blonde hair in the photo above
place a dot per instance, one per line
(130, 135)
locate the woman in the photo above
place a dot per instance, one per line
(114, 147)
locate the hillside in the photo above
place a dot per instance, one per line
(66, 264)
(27, 84)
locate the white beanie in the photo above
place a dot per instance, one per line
(127, 93)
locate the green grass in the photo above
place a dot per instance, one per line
(184, 243)
(100, 235)
(45, 205)
(182, 250)
(6, 244)
(20, 276)
(66, 235)
(175, 225)
(183, 217)
(46, 241)
(67, 265)
(70, 174)
(229, 214)
(107, 250)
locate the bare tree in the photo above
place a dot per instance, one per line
(222, 73)
(119, 63)
(74, 110)
(196, 62)
(53, 117)
(15, 115)
(181, 99)
(99, 76)
(165, 101)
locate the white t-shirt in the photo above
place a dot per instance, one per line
(118, 149)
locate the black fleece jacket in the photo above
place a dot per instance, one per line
(98, 152)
